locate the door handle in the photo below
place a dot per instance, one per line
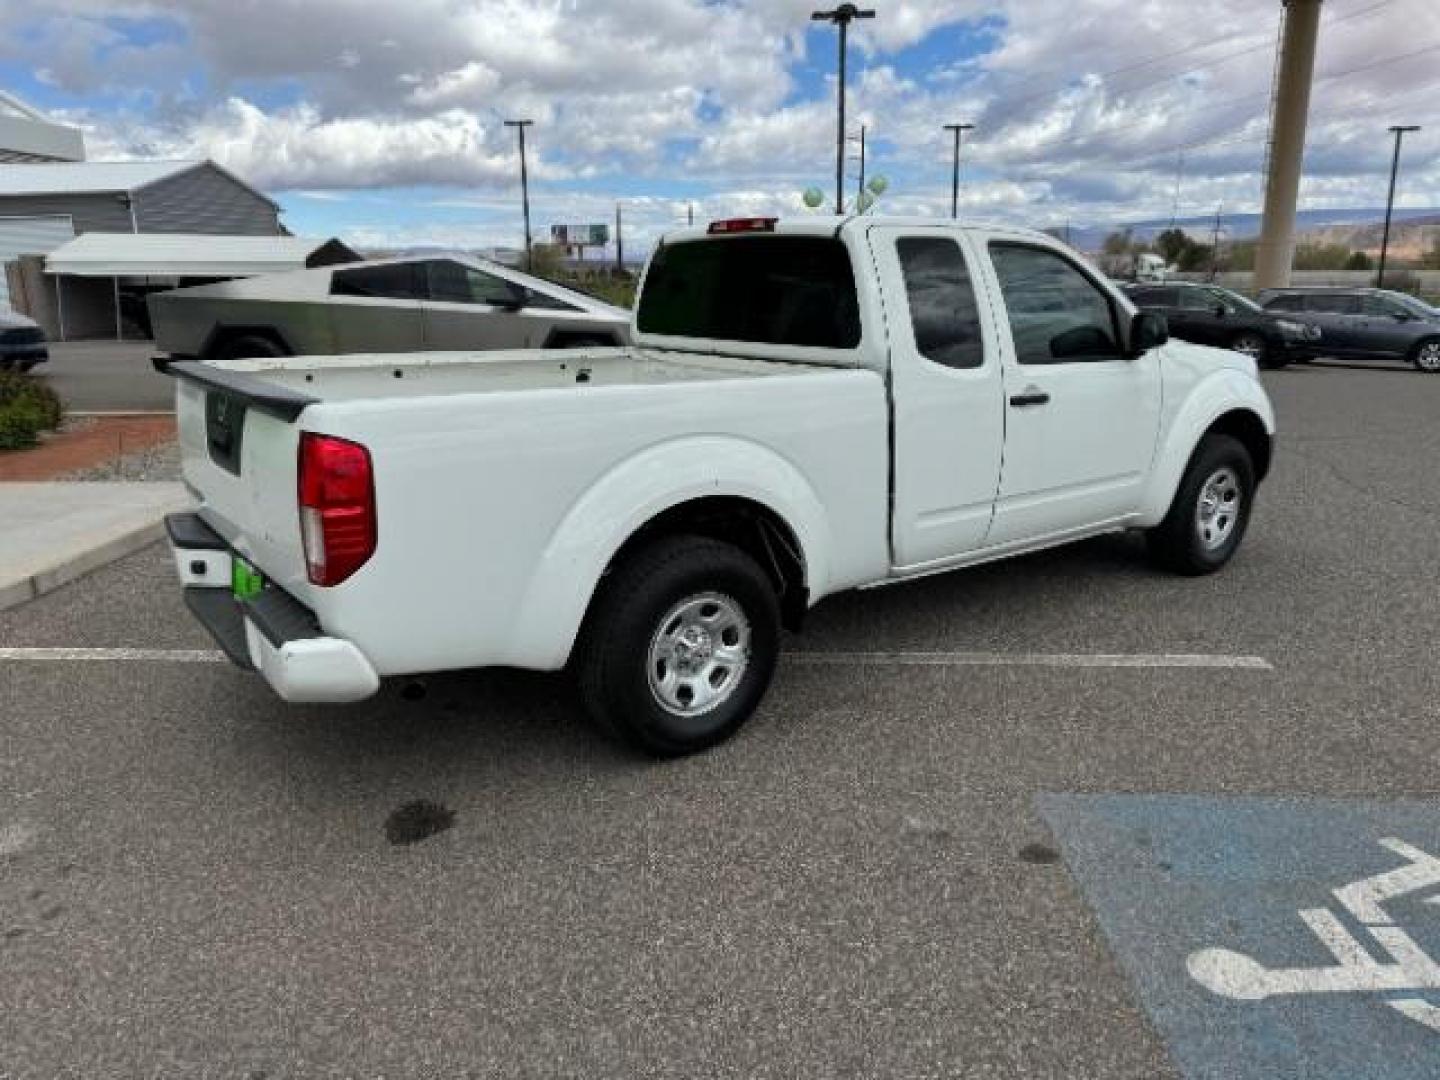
(1031, 395)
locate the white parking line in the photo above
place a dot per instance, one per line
(875, 659)
(1058, 660)
(174, 656)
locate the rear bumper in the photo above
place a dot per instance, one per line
(272, 633)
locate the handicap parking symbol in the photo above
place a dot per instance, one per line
(1270, 937)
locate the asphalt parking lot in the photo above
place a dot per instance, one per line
(959, 851)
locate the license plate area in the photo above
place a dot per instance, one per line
(224, 429)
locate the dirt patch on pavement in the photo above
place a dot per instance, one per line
(85, 443)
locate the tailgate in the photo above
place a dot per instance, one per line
(238, 445)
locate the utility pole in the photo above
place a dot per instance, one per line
(1400, 131)
(1175, 202)
(959, 130)
(690, 213)
(619, 244)
(520, 126)
(842, 17)
(1288, 114)
(1215, 243)
(860, 187)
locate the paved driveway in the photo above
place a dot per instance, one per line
(957, 853)
(107, 376)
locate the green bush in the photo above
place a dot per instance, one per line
(27, 407)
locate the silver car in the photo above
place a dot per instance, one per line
(426, 303)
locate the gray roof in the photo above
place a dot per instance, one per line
(93, 177)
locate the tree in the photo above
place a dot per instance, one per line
(1358, 260)
(1172, 244)
(1120, 242)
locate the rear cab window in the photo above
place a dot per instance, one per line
(943, 313)
(771, 289)
(393, 281)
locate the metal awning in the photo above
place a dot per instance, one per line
(94, 254)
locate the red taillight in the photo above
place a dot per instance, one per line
(337, 507)
(742, 224)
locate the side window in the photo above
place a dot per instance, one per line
(1379, 305)
(1285, 302)
(943, 312)
(1197, 300)
(1160, 298)
(1333, 303)
(394, 281)
(1057, 314)
(456, 283)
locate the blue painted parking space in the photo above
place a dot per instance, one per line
(1270, 937)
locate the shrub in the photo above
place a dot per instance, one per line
(27, 407)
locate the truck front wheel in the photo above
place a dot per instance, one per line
(1207, 520)
(680, 645)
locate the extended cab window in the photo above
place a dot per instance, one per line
(1057, 314)
(943, 312)
(394, 281)
(1287, 302)
(1333, 303)
(776, 290)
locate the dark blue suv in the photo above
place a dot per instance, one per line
(1366, 324)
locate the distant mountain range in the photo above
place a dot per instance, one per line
(1350, 226)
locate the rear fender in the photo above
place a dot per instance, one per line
(632, 494)
(1219, 393)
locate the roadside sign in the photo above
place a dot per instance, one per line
(1270, 937)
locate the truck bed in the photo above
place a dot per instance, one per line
(360, 377)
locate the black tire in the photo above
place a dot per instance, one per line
(1426, 356)
(1181, 543)
(587, 343)
(247, 347)
(628, 618)
(1253, 345)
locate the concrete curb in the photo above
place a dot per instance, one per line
(50, 579)
(52, 532)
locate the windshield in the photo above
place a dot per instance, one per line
(1244, 303)
(776, 290)
(1411, 304)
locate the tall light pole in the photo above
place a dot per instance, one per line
(842, 17)
(520, 126)
(1399, 131)
(619, 244)
(860, 186)
(959, 130)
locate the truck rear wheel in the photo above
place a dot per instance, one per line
(680, 645)
(247, 347)
(1211, 510)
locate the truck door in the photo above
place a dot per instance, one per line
(377, 308)
(1081, 419)
(466, 308)
(946, 394)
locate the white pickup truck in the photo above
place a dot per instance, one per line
(809, 406)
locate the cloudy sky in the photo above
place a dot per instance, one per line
(380, 120)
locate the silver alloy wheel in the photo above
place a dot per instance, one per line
(1249, 345)
(699, 654)
(1219, 508)
(1428, 357)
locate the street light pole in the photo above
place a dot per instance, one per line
(619, 244)
(1399, 131)
(520, 126)
(959, 130)
(842, 17)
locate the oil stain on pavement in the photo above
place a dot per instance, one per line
(416, 821)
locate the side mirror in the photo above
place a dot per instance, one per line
(516, 297)
(1148, 329)
(1221, 311)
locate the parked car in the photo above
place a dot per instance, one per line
(22, 342)
(1366, 324)
(383, 305)
(1210, 315)
(811, 406)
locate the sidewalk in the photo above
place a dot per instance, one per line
(52, 533)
